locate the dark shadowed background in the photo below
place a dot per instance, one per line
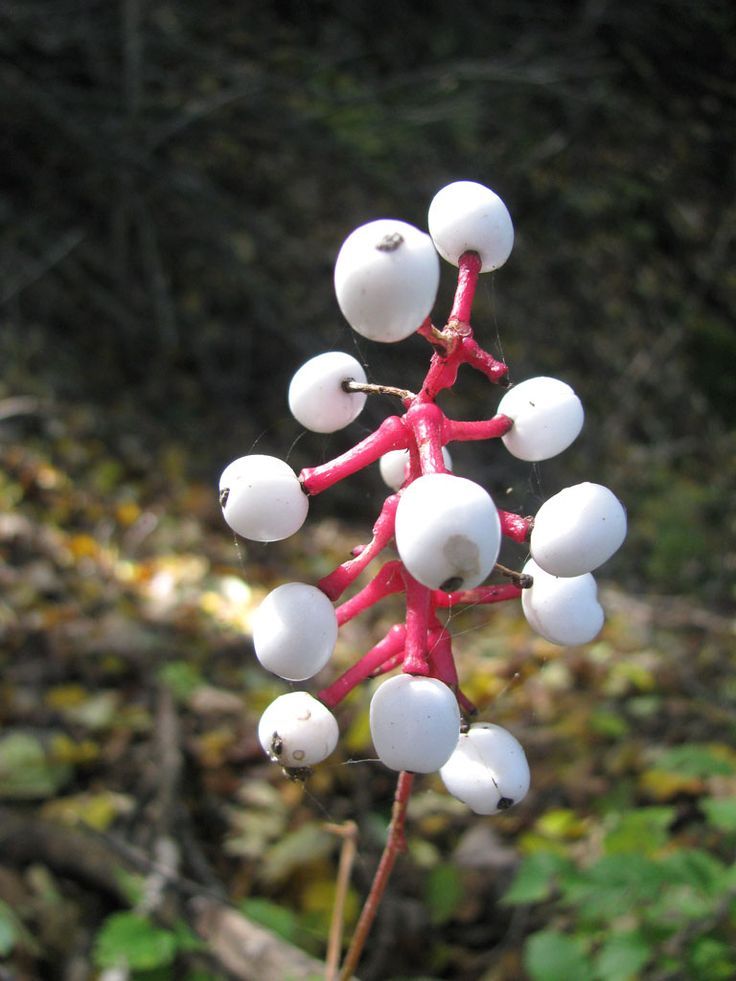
(176, 181)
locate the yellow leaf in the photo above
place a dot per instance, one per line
(562, 824)
(83, 546)
(531, 842)
(664, 785)
(127, 513)
(318, 899)
(66, 750)
(65, 696)
(213, 746)
(98, 811)
(358, 735)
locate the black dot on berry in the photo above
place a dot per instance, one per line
(505, 803)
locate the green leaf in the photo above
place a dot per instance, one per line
(276, 918)
(622, 956)
(132, 885)
(186, 939)
(699, 760)
(551, 956)
(182, 678)
(130, 940)
(444, 892)
(612, 884)
(308, 843)
(712, 959)
(535, 877)
(26, 773)
(643, 831)
(720, 812)
(697, 869)
(607, 723)
(8, 929)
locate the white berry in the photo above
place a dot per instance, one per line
(262, 498)
(414, 723)
(469, 217)
(563, 610)
(577, 530)
(394, 464)
(547, 417)
(448, 532)
(488, 770)
(316, 397)
(296, 730)
(386, 279)
(294, 631)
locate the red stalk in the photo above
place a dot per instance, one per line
(474, 597)
(426, 421)
(515, 526)
(387, 580)
(459, 429)
(390, 435)
(417, 624)
(387, 648)
(395, 844)
(467, 280)
(334, 584)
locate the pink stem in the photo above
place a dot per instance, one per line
(426, 421)
(395, 844)
(415, 465)
(390, 435)
(458, 429)
(474, 597)
(369, 663)
(417, 624)
(334, 584)
(393, 662)
(443, 369)
(476, 357)
(467, 280)
(459, 348)
(515, 526)
(441, 660)
(386, 581)
(426, 330)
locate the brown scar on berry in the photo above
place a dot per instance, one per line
(391, 242)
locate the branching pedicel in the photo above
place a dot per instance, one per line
(446, 529)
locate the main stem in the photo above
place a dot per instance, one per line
(395, 844)
(421, 645)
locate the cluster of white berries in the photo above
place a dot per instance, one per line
(447, 528)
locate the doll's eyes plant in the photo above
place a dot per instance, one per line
(446, 529)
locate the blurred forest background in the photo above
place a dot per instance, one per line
(175, 182)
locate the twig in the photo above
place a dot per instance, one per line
(248, 951)
(22, 405)
(162, 812)
(520, 579)
(394, 845)
(349, 834)
(369, 388)
(170, 763)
